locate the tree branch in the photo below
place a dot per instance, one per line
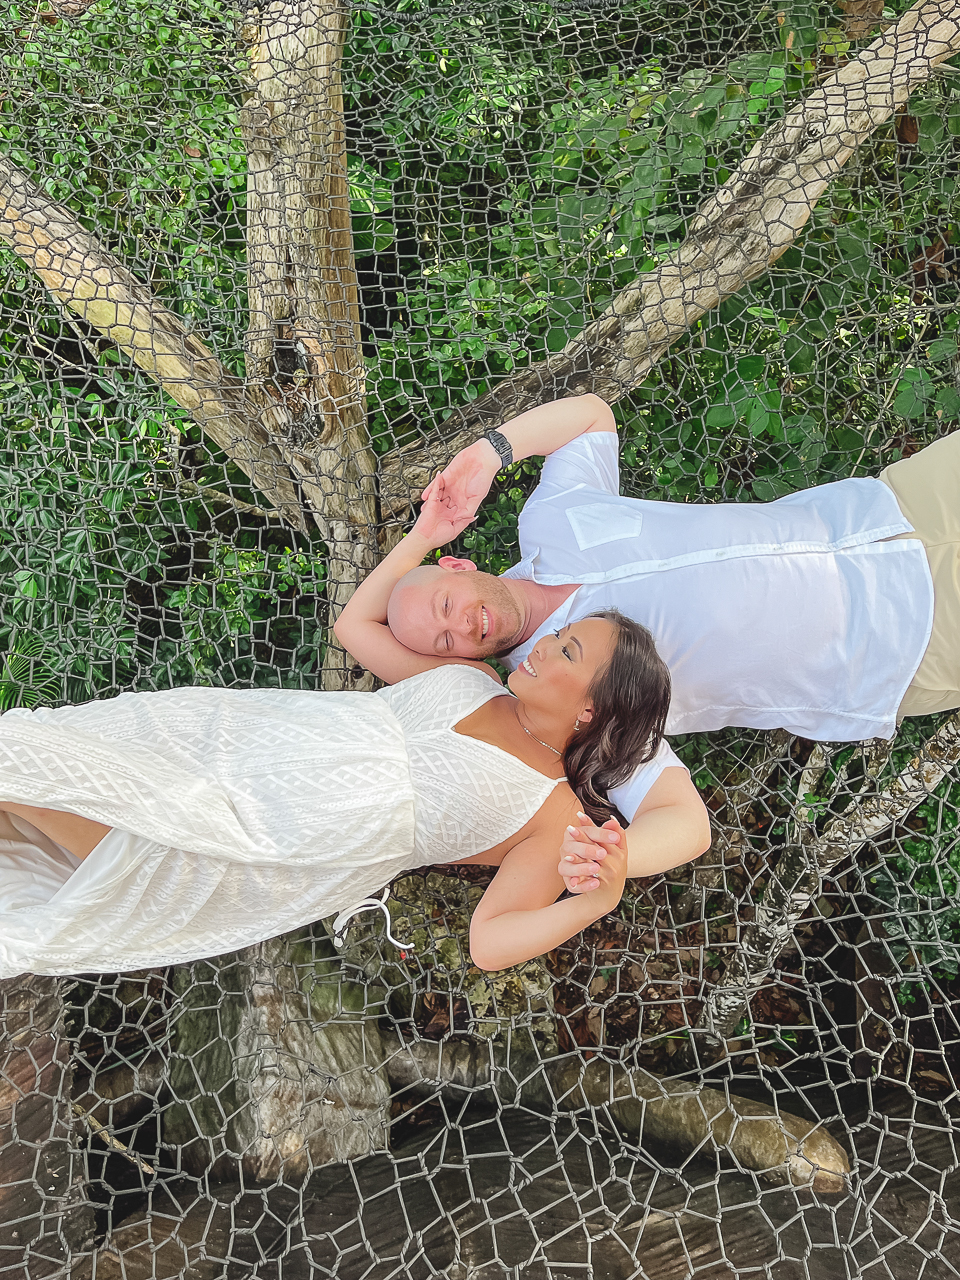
(736, 235)
(686, 1114)
(797, 878)
(89, 280)
(204, 491)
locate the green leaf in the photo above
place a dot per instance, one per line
(801, 355)
(691, 164)
(730, 119)
(665, 222)
(756, 416)
(914, 390)
(27, 584)
(769, 488)
(720, 417)
(947, 403)
(854, 258)
(833, 43)
(798, 29)
(750, 367)
(931, 133)
(644, 181)
(577, 214)
(712, 96)
(755, 66)
(943, 349)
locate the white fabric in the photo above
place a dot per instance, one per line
(792, 614)
(629, 796)
(238, 815)
(470, 795)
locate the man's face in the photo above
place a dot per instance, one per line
(454, 611)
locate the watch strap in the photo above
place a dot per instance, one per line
(502, 446)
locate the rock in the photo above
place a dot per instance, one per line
(187, 1233)
(275, 1068)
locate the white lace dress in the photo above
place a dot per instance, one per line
(240, 814)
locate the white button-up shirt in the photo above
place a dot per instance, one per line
(792, 614)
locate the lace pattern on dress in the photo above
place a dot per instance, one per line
(495, 793)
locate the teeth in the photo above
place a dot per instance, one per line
(485, 626)
(527, 667)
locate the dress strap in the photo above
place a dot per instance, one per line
(481, 693)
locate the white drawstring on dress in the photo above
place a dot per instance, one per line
(343, 919)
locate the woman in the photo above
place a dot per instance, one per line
(152, 829)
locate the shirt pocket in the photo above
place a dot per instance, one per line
(600, 522)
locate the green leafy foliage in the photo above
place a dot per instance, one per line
(919, 883)
(108, 579)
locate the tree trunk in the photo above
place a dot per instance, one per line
(277, 1065)
(735, 237)
(45, 1216)
(304, 357)
(797, 878)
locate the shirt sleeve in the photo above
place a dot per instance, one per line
(630, 794)
(592, 460)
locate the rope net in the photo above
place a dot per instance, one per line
(686, 1089)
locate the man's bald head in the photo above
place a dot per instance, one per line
(452, 610)
(410, 601)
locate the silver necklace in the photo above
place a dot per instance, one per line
(534, 736)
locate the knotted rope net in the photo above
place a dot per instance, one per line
(263, 270)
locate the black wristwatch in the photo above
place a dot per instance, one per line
(502, 446)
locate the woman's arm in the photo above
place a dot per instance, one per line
(362, 625)
(671, 826)
(519, 917)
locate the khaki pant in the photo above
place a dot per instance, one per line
(927, 487)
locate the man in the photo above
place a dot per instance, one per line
(817, 613)
(829, 613)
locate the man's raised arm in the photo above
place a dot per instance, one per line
(468, 476)
(362, 625)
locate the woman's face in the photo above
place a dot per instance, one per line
(561, 668)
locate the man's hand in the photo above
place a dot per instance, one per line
(594, 859)
(467, 478)
(543, 429)
(442, 518)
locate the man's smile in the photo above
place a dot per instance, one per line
(484, 622)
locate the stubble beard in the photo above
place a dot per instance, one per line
(506, 609)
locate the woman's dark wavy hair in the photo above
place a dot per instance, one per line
(630, 696)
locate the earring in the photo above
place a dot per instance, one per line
(576, 727)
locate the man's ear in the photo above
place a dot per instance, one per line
(457, 566)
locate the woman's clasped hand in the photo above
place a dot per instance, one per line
(594, 858)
